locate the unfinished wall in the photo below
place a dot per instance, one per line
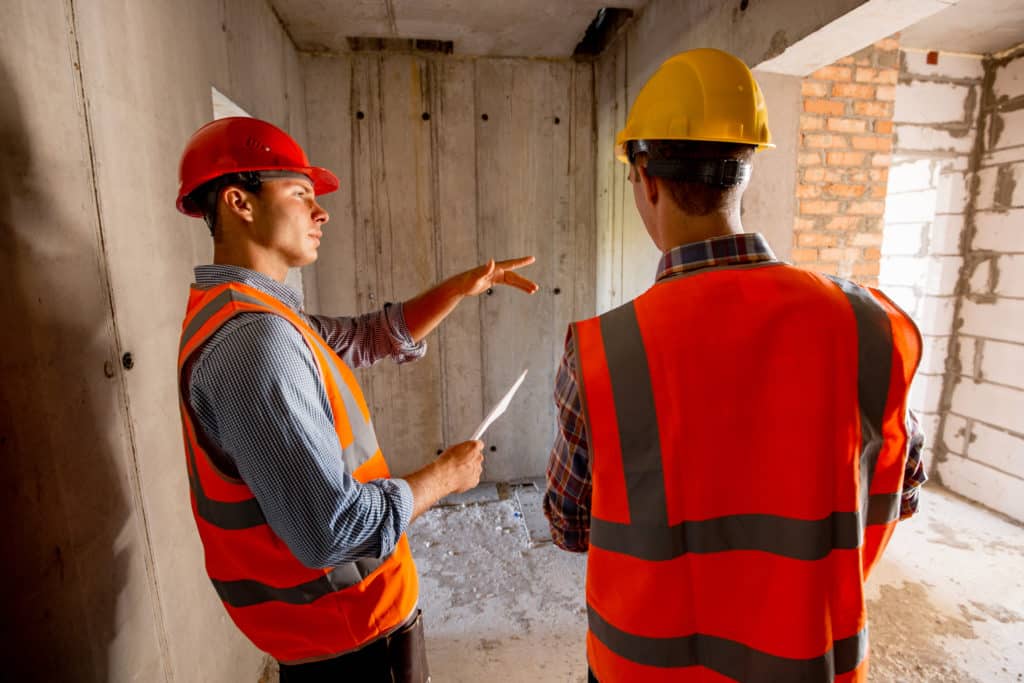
(446, 162)
(76, 592)
(981, 452)
(109, 584)
(950, 258)
(843, 163)
(935, 132)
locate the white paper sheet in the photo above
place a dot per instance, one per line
(499, 408)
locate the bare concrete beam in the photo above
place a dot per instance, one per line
(850, 32)
(753, 31)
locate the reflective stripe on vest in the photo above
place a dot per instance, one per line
(648, 537)
(728, 657)
(275, 600)
(363, 438)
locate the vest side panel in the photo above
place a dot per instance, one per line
(887, 483)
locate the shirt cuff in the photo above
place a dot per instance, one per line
(399, 495)
(573, 540)
(405, 349)
(565, 534)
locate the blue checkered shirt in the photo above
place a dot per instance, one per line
(257, 396)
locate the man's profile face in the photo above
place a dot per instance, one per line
(288, 221)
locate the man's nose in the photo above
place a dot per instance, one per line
(320, 214)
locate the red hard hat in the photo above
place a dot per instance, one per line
(239, 143)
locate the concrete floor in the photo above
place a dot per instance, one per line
(502, 603)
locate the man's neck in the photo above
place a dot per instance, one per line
(688, 229)
(224, 254)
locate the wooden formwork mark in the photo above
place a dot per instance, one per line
(134, 471)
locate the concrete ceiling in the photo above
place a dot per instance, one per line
(520, 28)
(973, 26)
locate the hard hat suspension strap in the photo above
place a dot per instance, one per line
(718, 172)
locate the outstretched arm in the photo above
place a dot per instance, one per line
(426, 311)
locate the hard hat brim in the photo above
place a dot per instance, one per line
(324, 182)
(620, 147)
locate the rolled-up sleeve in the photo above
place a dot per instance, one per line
(363, 340)
(259, 390)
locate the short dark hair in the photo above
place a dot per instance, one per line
(207, 195)
(693, 197)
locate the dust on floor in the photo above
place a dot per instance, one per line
(503, 604)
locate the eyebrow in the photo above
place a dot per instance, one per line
(304, 184)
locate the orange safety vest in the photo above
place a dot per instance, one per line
(747, 449)
(286, 609)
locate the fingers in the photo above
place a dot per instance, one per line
(519, 282)
(502, 274)
(513, 263)
(467, 459)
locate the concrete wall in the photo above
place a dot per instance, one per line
(446, 162)
(105, 572)
(950, 258)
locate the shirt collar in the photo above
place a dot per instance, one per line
(218, 274)
(728, 250)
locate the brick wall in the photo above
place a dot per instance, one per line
(843, 161)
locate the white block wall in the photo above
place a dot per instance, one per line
(935, 129)
(987, 396)
(953, 256)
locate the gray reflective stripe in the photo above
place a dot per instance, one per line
(794, 538)
(247, 514)
(648, 535)
(364, 439)
(246, 593)
(729, 657)
(232, 516)
(883, 508)
(637, 417)
(364, 445)
(874, 364)
(214, 305)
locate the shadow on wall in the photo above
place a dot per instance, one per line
(66, 546)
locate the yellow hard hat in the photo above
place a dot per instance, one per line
(704, 95)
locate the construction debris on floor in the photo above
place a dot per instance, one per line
(502, 603)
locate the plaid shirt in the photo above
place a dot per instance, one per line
(569, 484)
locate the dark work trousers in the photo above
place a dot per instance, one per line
(397, 658)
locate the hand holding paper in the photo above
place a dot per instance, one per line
(498, 409)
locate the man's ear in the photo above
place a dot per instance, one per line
(237, 202)
(649, 183)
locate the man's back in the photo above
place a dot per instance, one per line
(740, 421)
